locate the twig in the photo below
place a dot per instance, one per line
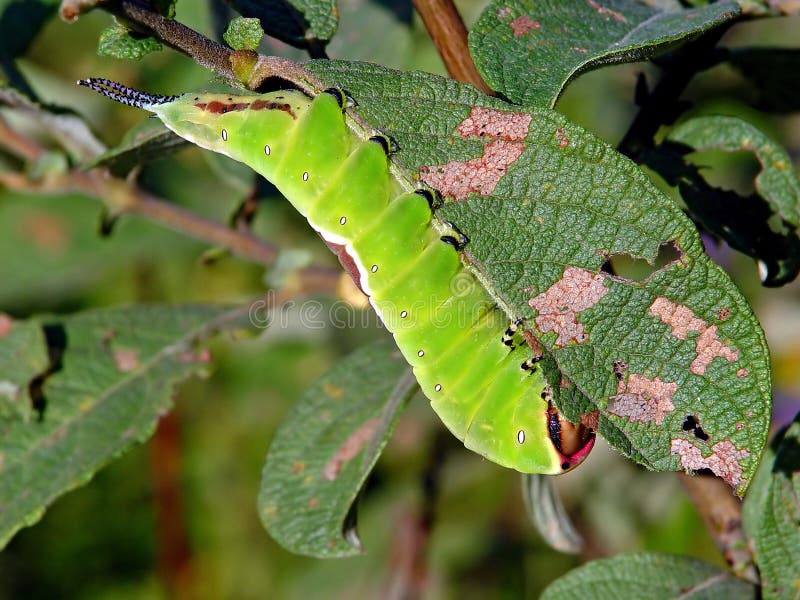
(18, 144)
(202, 50)
(721, 512)
(449, 35)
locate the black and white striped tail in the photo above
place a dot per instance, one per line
(124, 94)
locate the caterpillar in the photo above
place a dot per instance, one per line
(448, 327)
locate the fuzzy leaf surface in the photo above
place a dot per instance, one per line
(529, 50)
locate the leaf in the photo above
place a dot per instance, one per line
(23, 356)
(774, 75)
(545, 205)
(301, 23)
(110, 377)
(147, 141)
(325, 448)
(771, 515)
(764, 225)
(243, 34)
(529, 50)
(118, 41)
(649, 575)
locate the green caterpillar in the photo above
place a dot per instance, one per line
(444, 321)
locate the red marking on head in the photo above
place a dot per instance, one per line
(522, 25)
(682, 320)
(559, 306)
(477, 176)
(643, 400)
(723, 462)
(350, 449)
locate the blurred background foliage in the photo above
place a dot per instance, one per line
(128, 534)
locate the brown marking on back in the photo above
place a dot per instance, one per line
(559, 306)
(643, 400)
(216, 107)
(682, 320)
(350, 448)
(272, 105)
(723, 462)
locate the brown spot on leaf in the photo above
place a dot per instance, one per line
(563, 140)
(312, 503)
(488, 122)
(298, 467)
(723, 314)
(478, 175)
(620, 366)
(333, 391)
(602, 10)
(6, 325)
(591, 420)
(50, 234)
(126, 360)
(522, 25)
(742, 373)
(559, 306)
(564, 384)
(682, 320)
(503, 12)
(350, 449)
(190, 357)
(643, 400)
(723, 462)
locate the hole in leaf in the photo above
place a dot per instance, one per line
(734, 171)
(638, 269)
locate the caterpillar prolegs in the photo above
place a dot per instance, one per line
(444, 321)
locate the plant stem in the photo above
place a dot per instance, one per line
(449, 35)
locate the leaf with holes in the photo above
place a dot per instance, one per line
(529, 50)
(326, 448)
(675, 360)
(764, 225)
(771, 514)
(111, 374)
(649, 575)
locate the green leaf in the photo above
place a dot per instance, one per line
(545, 205)
(529, 50)
(649, 575)
(301, 23)
(111, 375)
(243, 34)
(326, 447)
(23, 356)
(771, 515)
(766, 226)
(774, 75)
(118, 41)
(147, 141)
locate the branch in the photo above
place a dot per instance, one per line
(721, 512)
(449, 35)
(202, 50)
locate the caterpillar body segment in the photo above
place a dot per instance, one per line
(444, 321)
